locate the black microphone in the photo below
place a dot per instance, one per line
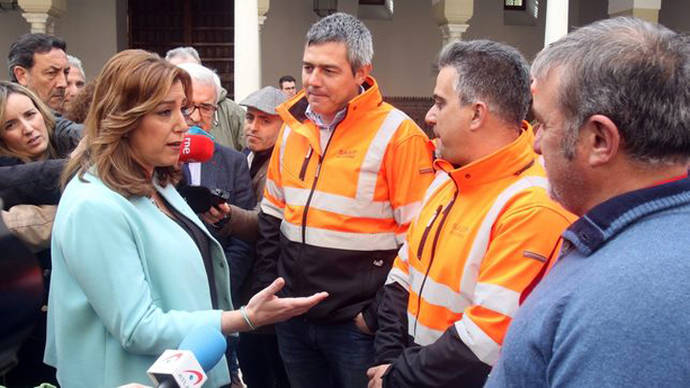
(185, 367)
(201, 198)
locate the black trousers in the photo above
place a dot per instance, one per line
(260, 361)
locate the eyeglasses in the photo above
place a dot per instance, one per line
(205, 109)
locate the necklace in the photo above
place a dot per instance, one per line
(158, 202)
(155, 202)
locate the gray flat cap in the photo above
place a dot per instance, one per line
(265, 99)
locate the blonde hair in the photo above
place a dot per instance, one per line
(131, 84)
(6, 90)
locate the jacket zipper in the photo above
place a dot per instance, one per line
(433, 252)
(427, 230)
(313, 185)
(303, 171)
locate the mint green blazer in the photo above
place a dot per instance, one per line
(127, 283)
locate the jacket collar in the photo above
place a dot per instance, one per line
(512, 159)
(293, 111)
(612, 216)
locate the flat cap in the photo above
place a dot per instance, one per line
(265, 99)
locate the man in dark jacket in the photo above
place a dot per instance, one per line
(228, 117)
(39, 62)
(227, 170)
(261, 363)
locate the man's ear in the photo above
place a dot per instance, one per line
(21, 74)
(602, 139)
(362, 73)
(479, 113)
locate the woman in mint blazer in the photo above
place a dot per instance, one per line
(134, 269)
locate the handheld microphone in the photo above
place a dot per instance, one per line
(196, 148)
(198, 353)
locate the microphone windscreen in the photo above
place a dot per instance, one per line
(196, 148)
(208, 345)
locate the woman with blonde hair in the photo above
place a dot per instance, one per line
(27, 134)
(134, 269)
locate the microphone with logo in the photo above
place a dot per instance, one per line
(185, 367)
(196, 148)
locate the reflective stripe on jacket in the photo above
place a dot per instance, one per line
(484, 232)
(355, 197)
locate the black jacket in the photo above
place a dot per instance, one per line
(448, 362)
(351, 277)
(227, 170)
(38, 183)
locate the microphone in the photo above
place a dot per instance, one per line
(196, 148)
(201, 198)
(199, 352)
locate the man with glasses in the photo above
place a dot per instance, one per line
(228, 116)
(227, 170)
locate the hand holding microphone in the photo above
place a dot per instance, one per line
(198, 147)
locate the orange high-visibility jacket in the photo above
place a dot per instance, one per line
(484, 232)
(344, 210)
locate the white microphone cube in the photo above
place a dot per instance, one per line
(181, 366)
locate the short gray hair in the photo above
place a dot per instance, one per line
(635, 73)
(341, 27)
(203, 75)
(492, 72)
(189, 52)
(76, 62)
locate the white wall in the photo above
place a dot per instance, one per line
(88, 27)
(12, 25)
(675, 14)
(90, 30)
(282, 39)
(404, 48)
(487, 23)
(588, 11)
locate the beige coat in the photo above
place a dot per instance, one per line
(245, 223)
(32, 224)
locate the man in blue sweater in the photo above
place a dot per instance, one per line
(613, 103)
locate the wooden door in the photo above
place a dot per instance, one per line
(206, 25)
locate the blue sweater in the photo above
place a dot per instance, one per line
(614, 310)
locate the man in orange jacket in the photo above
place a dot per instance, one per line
(486, 229)
(345, 179)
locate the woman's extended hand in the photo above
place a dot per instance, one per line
(265, 307)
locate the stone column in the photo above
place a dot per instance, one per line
(263, 6)
(41, 14)
(452, 17)
(556, 20)
(644, 9)
(247, 74)
(452, 31)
